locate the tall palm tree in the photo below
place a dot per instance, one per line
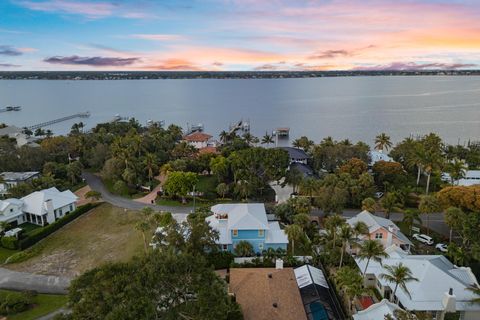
(476, 291)
(332, 223)
(400, 275)
(294, 232)
(350, 282)
(382, 141)
(371, 249)
(409, 218)
(267, 139)
(360, 228)
(390, 203)
(428, 205)
(456, 169)
(150, 163)
(347, 237)
(308, 186)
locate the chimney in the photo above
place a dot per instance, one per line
(279, 264)
(449, 301)
(50, 211)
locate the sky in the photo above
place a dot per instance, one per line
(239, 35)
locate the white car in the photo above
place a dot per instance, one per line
(441, 247)
(423, 238)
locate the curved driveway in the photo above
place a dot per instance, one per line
(96, 184)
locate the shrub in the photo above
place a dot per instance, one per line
(10, 243)
(38, 234)
(15, 302)
(220, 260)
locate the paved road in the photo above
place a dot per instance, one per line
(96, 184)
(15, 280)
(55, 313)
(436, 220)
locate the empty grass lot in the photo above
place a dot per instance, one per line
(43, 304)
(105, 234)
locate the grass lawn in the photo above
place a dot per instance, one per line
(28, 227)
(104, 234)
(126, 192)
(44, 304)
(207, 185)
(5, 253)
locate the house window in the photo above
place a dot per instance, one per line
(378, 235)
(235, 232)
(71, 208)
(225, 247)
(260, 246)
(260, 233)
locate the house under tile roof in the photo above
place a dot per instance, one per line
(197, 137)
(267, 293)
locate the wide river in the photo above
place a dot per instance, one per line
(357, 108)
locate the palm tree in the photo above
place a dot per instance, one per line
(409, 218)
(428, 205)
(150, 163)
(456, 169)
(476, 291)
(400, 275)
(294, 232)
(371, 249)
(390, 203)
(350, 282)
(369, 204)
(267, 139)
(222, 189)
(244, 249)
(248, 137)
(332, 223)
(143, 227)
(308, 186)
(382, 141)
(347, 237)
(360, 228)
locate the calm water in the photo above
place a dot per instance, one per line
(357, 108)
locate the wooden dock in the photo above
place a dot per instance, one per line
(49, 123)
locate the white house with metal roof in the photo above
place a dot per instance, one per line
(377, 311)
(48, 205)
(381, 229)
(246, 222)
(376, 156)
(441, 287)
(11, 211)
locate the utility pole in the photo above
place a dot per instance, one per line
(194, 194)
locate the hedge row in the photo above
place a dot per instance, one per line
(38, 234)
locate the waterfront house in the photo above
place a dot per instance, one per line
(441, 287)
(13, 179)
(48, 205)
(377, 311)
(197, 139)
(296, 155)
(246, 222)
(11, 211)
(381, 229)
(267, 293)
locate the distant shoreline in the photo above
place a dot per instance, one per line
(156, 75)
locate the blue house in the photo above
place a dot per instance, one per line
(246, 222)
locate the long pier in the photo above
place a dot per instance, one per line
(48, 123)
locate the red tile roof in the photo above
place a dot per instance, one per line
(197, 137)
(208, 150)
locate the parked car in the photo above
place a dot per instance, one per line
(378, 195)
(423, 238)
(441, 247)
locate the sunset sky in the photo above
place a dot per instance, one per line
(239, 35)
